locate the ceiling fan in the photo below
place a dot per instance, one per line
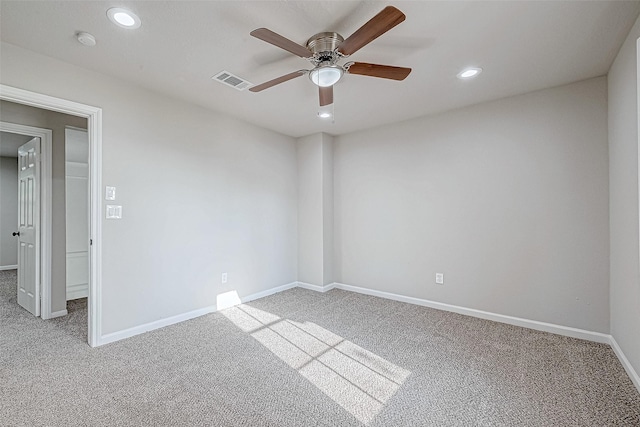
(324, 50)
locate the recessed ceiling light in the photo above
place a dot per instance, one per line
(469, 73)
(324, 115)
(124, 18)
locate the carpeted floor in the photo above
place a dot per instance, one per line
(301, 358)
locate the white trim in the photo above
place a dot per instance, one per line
(94, 131)
(74, 128)
(8, 267)
(317, 288)
(80, 291)
(46, 206)
(137, 330)
(638, 116)
(58, 313)
(95, 251)
(268, 292)
(517, 321)
(633, 375)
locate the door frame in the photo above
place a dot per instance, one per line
(638, 133)
(46, 140)
(94, 131)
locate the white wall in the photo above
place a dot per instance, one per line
(509, 199)
(310, 213)
(315, 209)
(202, 194)
(327, 209)
(8, 211)
(623, 178)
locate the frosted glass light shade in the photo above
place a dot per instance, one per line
(326, 76)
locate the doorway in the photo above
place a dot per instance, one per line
(93, 116)
(13, 136)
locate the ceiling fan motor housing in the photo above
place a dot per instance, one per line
(323, 46)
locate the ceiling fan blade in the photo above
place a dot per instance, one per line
(388, 18)
(281, 42)
(375, 70)
(326, 95)
(277, 81)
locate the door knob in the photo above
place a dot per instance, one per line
(16, 233)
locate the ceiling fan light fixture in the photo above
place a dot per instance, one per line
(469, 73)
(326, 75)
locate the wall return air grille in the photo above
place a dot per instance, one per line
(232, 80)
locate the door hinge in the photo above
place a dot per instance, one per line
(90, 242)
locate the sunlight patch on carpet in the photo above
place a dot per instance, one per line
(358, 380)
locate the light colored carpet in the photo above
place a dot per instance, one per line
(301, 358)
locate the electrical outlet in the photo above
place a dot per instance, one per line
(114, 212)
(224, 277)
(440, 278)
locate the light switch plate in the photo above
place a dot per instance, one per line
(114, 212)
(110, 193)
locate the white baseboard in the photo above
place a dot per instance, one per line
(8, 267)
(268, 292)
(317, 288)
(137, 330)
(516, 321)
(59, 313)
(635, 378)
(83, 292)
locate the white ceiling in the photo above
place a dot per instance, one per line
(9, 143)
(521, 45)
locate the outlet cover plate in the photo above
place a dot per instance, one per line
(114, 212)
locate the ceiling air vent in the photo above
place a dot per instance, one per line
(231, 80)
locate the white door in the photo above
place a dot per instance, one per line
(29, 226)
